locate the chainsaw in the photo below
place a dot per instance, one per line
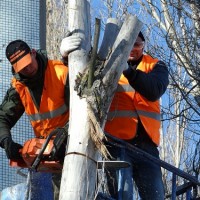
(44, 155)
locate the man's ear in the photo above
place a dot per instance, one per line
(33, 52)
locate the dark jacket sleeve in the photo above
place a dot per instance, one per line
(151, 85)
(11, 110)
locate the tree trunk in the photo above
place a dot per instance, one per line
(78, 182)
(80, 164)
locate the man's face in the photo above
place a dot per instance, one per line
(137, 50)
(31, 69)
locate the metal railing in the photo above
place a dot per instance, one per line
(191, 182)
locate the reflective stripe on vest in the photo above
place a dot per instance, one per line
(121, 113)
(125, 88)
(152, 115)
(48, 115)
(129, 113)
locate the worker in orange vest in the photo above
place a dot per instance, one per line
(134, 117)
(40, 88)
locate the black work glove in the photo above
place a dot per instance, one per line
(11, 149)
(130, 73)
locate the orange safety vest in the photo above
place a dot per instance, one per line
(128, 105)
(53, 111)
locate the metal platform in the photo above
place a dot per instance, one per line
(112, 164)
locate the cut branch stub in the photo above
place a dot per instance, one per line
(112, 29)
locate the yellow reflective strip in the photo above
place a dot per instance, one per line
(48, 115)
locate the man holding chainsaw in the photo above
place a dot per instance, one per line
(134, 117)
(40, 88)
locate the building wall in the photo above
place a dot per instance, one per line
(21, 19)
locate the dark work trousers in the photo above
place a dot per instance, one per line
(40, 186)
(146, 174)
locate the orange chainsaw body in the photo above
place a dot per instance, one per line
(29, 153)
